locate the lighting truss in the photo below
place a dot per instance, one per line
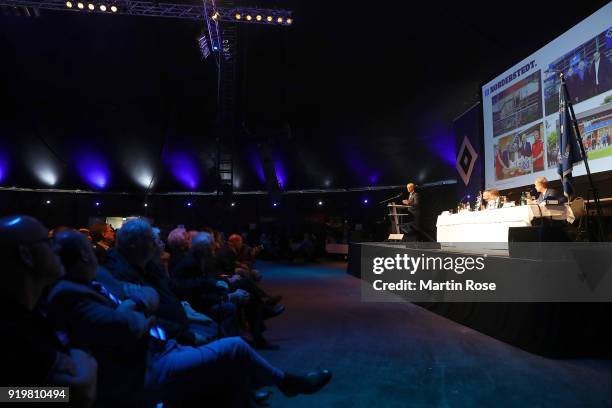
(168, 10)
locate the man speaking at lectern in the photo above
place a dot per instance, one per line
(412, 201)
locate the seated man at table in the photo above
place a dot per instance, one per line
(546, 193)
(489, 198)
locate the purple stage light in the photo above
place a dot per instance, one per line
(365, 200)
(442, 144)
(188, 203)
(274, 204)
(97, 203)
(184, 168)
(3, 166)
(281, 174)
(93, 169)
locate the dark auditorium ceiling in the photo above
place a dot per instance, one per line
(351, 95)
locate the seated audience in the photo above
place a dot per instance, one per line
(132, 260)
(32, 354)
(257, 305)
(139, 366)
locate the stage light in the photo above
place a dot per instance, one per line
(46, 174)
(143, 175)
(91, 6)
(258, 17)
(48, 202)
(320, 203)
(238, 16)
(365, 200)
(69, 4)
(114, 9)
(274, 204)
(102, 7)
(215, 16)
(279, 20)
(233, 204)
(146, 204)
(269, 19)
(188, 203)
(80, 5)
(289, 21)
(97, 203)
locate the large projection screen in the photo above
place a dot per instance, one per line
(520, 106)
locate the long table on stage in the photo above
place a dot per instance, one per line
(492, 225)
(550, 329)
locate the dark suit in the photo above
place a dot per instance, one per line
(413, 203)
(602, 80)
(550, 194)
(413, 200)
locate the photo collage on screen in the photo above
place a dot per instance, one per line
(526, 117)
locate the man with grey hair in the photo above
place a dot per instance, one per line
(132, 261)
(546, 193)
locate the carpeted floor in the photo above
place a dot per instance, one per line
(400, 355)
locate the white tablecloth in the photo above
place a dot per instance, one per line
(492, 225)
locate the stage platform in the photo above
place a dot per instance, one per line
(549, 329)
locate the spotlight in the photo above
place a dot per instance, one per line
(249, 18)
(269, 19)
(320, 203)
(69, 4)
(146, 204)
(80, 5)
(258, 17)
(238, 16)
(233, 204)
(279, 20)
(215, 16)
(48, 202)
(188, 203)
(365, 200)
(90, 6)
(274, 204)
(289, 21)
(114, 9)
(102, 7)
(97, 203)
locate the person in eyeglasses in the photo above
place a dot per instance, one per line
(32, 353)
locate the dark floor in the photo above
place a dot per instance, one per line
(400, 355)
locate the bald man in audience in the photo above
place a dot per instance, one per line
(31, 353)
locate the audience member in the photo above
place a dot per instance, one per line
(32, 354)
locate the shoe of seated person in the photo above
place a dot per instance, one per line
(309, 383)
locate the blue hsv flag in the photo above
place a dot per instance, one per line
(569, 150)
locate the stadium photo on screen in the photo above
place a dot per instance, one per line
(517, 105)
(588, 70)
